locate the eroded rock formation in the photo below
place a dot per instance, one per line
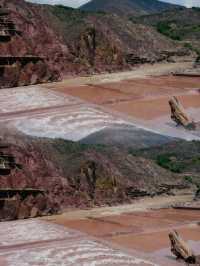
(68, 41)
(18, 201)
(19, 67)
(181, 249)
(49, 175)
(197, 64)
(179, 115)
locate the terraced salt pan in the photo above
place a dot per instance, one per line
(28, 231)
(41, 112)
(83, 252)
(64, 247)
(167, 127)
(31, 97)
(73, 123)
(67, 117)
(77, 122)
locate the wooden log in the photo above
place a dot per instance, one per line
(188, 75)
(180, 248)
(179, 115)
(187, 208)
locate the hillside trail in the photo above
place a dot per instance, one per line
(140, 205)
(143, 71)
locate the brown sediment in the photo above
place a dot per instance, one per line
(154, 108)
(33, 242)
(155, 241)
(96, 227)
(143, 231)
(95, 94)
(145, 98)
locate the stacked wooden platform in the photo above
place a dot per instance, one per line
(7, 32)
(13, 199)
(7, 27)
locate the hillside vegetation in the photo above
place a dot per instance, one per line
(128, 7)
(74, 174)
(75, 41)
(178, 157)
(182, 25)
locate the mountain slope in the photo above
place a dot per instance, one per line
(107, 40)
(77, 42)
(128, 7)
(67, 174)
(180, 24)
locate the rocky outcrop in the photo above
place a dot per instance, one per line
(136, 60)
(197, 195)
(32, 72)
(197, 62)
(17, 201)
(49, 175)
(168, 189)
(68, 41)
(19, 67)
(35, 203)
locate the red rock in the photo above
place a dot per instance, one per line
(23, 212)
(34, 212)
(92, 45)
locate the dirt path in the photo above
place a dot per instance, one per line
(140, 205)
(141, 72)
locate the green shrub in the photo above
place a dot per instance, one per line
(189, 179)
(168, 161)
(165, 28)
(196, 8)
(188, 45)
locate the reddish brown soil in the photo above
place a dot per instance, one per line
(154, 241)
(142, 231)
(96, 93)
(142, 98)
(34, 242)
(150, 109)
(67, 48)
(95, 227)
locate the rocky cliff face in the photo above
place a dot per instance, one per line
(22, 55)
(45, 176)
(181, 24)
(52, 41)
(115, 40)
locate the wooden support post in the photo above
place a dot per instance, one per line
(179, 115)
(180, 248)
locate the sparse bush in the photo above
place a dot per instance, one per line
(188, 45)
(168, 161)
(165, 28)
(196, 8)
(189, 179)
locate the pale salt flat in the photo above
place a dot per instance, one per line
(31, 97)
(73, 253)
(64, 247)
(67, 117)
(73, 123)
(167, 127)
(41, 112)
(28, 231)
